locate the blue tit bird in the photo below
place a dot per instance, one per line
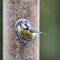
(24, 31)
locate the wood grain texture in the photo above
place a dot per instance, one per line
(12, 11)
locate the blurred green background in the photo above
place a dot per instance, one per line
(50, 24)
(1, 31)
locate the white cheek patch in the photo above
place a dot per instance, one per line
(23, 25)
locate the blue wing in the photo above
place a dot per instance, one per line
(23, 41)
(34, 31)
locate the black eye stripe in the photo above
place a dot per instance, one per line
(25, 25)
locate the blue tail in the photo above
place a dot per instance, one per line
(40, 32)
(34, 31)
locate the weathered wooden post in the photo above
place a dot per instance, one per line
(12, 11)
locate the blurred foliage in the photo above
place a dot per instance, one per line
(50, 24)
(1, 30)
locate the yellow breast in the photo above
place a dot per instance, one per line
(26, 33)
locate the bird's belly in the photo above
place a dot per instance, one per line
(28, 35)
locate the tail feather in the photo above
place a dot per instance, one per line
(34, 31)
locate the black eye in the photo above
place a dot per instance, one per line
(24, 26)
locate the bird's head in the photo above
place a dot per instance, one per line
(25, 24)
